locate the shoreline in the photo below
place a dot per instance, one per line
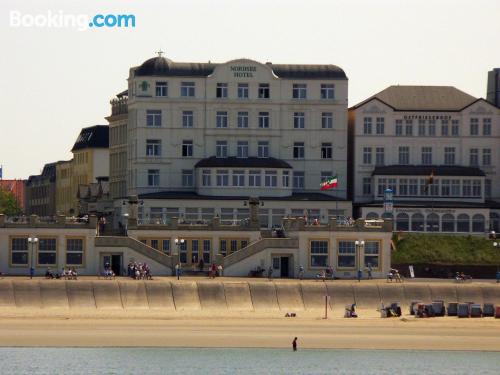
(337, 333)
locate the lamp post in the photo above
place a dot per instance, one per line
(359, 246)
(178, 243)
(496, 245)
(32, 241)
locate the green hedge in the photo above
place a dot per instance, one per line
(442, 249)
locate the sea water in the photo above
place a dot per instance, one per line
(188, 361)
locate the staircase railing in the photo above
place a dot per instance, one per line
(258, 246)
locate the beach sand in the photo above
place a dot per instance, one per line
(369, 333)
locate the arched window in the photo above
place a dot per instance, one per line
(402, 222)
(417, 222)
(495, 222)
(478, 223)
(448, 223)
(463, 224)
(372, 216)
(432, 223)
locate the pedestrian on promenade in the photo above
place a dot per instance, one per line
(178, 270)
(370, 271)
(219, 269)
(301, 272)
(294, 344)
(270, 273)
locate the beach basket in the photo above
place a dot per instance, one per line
(488, 309)
(452, 309)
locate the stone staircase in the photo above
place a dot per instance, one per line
(258, 246)
(137, 246)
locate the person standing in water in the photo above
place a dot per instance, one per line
(294, 344)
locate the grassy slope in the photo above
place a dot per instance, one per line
(440, 249)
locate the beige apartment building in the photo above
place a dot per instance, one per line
(202, 138)
(66, 202)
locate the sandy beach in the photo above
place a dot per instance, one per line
(408, 333)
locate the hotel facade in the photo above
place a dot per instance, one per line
(196, 140)
(404, 134)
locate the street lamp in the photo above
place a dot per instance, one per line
(359, 246)
(178, 242)
(496, 245)
(32, 241)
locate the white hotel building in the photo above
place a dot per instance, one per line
(404, 133)
(201, 138)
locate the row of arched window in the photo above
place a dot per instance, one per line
(417, 222)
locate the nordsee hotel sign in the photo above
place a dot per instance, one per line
(243, 71)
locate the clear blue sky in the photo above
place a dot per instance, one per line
(57, 80)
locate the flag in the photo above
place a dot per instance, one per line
(329, 183)
(429, 181)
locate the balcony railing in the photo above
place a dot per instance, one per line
(119, 106)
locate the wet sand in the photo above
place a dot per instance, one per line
(369, 333)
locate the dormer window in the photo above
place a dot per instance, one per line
(161, 89)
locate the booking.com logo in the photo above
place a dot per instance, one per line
(61, 19)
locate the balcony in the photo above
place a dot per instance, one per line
(119, 106)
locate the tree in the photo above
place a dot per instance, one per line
(8, 203)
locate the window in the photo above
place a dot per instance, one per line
(298, 180)
(242, 119)
(380, 125)
(183, 252)
(402, 222)
(455, 188)
(153, 177)
(474, 126)
(263, 91)
(207, 214)
(427, 155)
(243, 90)
(454, 128)
(187, 178)
(413, 187)
(271, 179)
(417, 222)
(319, 253)
(263, 149)
(187, 119)
(367, 155)
(47, 251)
(187, 89)
(478, 222)
(409, 127)
(381, 186)
(367, 125)
(467, 188)
(404, 155)
(448, 223)
(379, 156)
(187, 148)
(446, 188)
(326, 150)
(166, 246)
(153, 147)
(326, 120)
(299, 120)
(476, 188)
(221, 149)
(299, 91)
(486, 126)
(449, 155)
(486, 156)
(223, 247)
(298, 150)
(487, 188)
(474, 157)
(432, 128)
(238, 178)
(432, 222)
(254, 178)
(367, 186)
(444, 128)
(222, 177)
(74, 251)
(221, 90)
(347, 254)
(421, 128)
(285, 179)
(327, 91)
(206, 177)
(263, 120)
(161, 89)
(399, 127)
(207, 246)
(242, 149)
(153, 117)
(403, 186)
(19, 251)
(155, 244)
(372, 253)
(221, 119)
(463, 223)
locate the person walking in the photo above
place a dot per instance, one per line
(294, 344)
(301, 272)
(178, 270)
(370, 272)
(270, 273)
